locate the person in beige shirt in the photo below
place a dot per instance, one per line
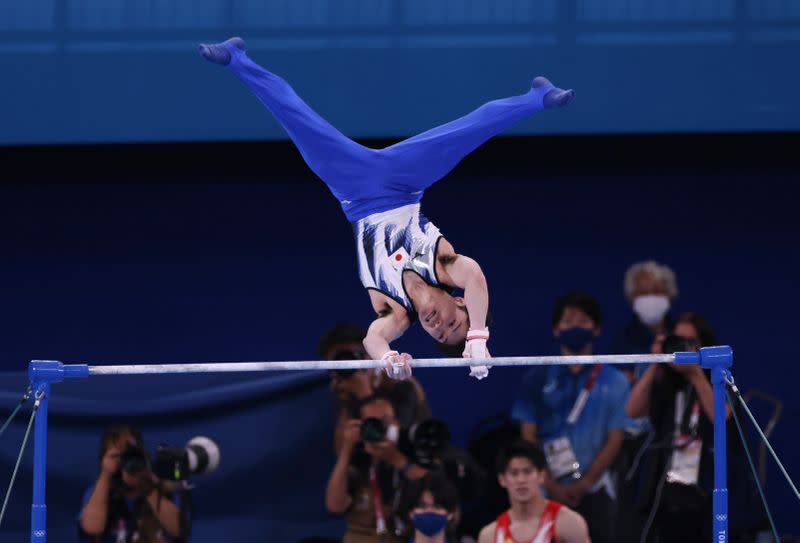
(343, 341)
(367, 484)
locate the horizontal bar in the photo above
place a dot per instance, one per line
(225, 367)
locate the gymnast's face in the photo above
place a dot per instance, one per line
(521, 479)
(444, 317)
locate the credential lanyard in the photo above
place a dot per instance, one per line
(680, 410)
(377, 501)
(583, 395)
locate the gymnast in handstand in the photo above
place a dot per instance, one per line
(409, 269)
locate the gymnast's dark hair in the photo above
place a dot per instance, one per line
(520, 449)
(444, 492)
(580, 300)
(342, 332)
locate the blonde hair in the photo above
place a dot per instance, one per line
(659, 272)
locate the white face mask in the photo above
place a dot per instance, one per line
(651, 308)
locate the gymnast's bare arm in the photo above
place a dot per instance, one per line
(463, 272)
(391, 323)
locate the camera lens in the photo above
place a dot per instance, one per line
(373, 430)
(133, 459)
(173, 463)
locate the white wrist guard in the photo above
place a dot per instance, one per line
(476, 348)
(395, 369)
(476, 343)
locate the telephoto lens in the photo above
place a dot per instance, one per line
(201, 455)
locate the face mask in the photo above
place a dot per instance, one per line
(429, 523)
(651, 308)
(575, 338)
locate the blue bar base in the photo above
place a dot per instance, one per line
(708, 357)
(720, 520)
(715, 357)
(41, 374)
(53, 371)
(718, 360)
(38, 523)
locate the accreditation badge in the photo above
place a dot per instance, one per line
(684, 465)
(561, 458)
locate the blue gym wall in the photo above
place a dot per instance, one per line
(126, 70)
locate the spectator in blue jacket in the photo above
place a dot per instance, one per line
(577, 415)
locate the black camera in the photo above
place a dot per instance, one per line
(374, 430)
(429, 439)
(677, 344)
(133, 459)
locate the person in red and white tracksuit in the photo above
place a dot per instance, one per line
(531, 518)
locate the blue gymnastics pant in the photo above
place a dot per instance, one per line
(366, 180)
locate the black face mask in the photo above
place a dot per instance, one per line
(575, 338)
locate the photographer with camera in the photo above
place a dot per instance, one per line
(370, 475)
(690, 332)
(127, 501)
(675, 477)
(350, 387)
